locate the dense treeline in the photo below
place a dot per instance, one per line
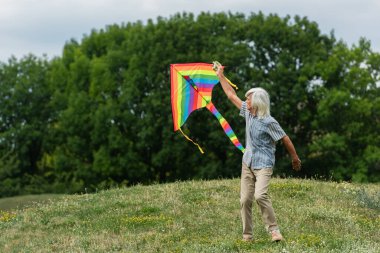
(100, 114)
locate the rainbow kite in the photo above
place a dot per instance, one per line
(191, 89)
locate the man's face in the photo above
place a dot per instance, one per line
(248, 101)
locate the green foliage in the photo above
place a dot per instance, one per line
(24, 119)
(100, 115)
(345, 130)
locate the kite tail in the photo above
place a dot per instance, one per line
(226, 127)
(187, 137)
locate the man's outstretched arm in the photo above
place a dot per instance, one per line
(230, 92)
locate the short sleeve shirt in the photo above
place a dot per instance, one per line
(261, 137)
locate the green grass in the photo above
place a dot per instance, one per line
(198, 216)
(7, 204)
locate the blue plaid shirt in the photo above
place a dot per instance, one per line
(261, 137)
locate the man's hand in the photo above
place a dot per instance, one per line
(296, 163)
(219, 70)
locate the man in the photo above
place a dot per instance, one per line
(262, 133)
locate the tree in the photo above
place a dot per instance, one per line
(25, 114)
(346, 140)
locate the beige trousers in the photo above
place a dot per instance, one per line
(254, 184)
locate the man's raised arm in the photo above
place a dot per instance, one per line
(230, 92)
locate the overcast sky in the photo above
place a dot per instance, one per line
(43, 26)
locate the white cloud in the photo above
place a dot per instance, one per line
(43, 26)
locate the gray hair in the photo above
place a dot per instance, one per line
(260, 101)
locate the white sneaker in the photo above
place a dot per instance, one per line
(276, 235)
(247, 238)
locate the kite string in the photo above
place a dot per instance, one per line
(187, 137)
(233, 85)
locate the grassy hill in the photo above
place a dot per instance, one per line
(197, 216)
